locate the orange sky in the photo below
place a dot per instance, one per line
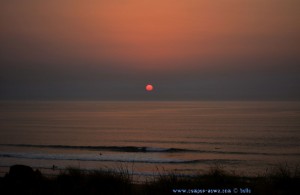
(190, 49)
(157, 34)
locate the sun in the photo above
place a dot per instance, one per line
(149, 87)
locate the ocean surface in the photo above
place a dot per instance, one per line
(151, 137)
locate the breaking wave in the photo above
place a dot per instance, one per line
(105, 148)
(108, 158)
(145, 149)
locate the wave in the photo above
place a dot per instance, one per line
(105, 148)
(144, 149)
(214, 143)
(80, 157)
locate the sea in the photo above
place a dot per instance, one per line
(150, 138)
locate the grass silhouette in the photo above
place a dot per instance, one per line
(279, 180)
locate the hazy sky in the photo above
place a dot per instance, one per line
(188, 49)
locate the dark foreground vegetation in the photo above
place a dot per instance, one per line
(24, 180)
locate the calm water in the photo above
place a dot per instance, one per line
(185, 137)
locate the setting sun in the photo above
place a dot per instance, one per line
(149, 87)
(136, 94)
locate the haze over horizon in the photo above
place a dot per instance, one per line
(189, 50)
